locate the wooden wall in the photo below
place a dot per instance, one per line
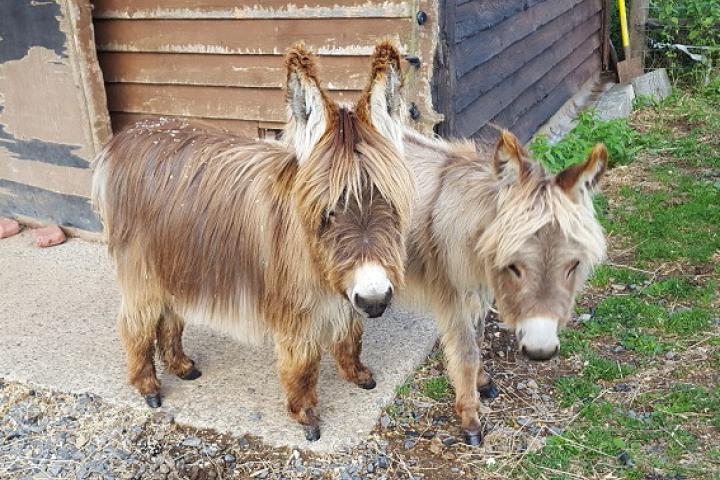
(220, 61)
(52, 112)
(513, 63)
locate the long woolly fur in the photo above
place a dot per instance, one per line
(223, 230)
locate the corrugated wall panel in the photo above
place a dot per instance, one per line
(512, 61)
(222, 60)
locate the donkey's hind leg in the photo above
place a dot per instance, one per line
(463, 357)
(347, 355)
(137, 331)
(299, 367)
(169, 338)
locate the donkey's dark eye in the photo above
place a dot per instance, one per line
(327, 218)
(573, 268)
(515, 270)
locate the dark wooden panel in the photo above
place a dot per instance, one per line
(534, 118)
(267, 71)
(478, 15)
(496, 100)
(486, 76)
(37, 203)
(486, 44)
(248, 9)
(565, 71)
(344, 36)
(265, 104)
(245, 128)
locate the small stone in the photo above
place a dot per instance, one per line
(382, 462)
(521, 386)
(618, 287)
(622, 387)
(164, 469)
(670, 355)
(555, 430)
(584, 317)
(524, 422)
(370, 467)
(48, 236)
(546, 398)
(229, 458)
(531, 384)
(618, 349)
(386, 421)
(80, 441)
(428, 434)
(409, 443)
(625, 459)
(192, 441)
(438, 419)
(436, 446)
(449, 441)
(8, 227)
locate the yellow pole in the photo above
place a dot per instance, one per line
(624, 29)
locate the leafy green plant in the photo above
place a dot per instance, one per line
(621, 141)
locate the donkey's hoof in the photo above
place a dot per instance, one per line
(312, 432)
(192, 374)
(367, 384)
(153, 400)
(489, 391)
(473, 438)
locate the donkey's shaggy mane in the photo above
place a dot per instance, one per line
(525, 208)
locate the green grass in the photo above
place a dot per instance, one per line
(606, 275)
(436, 388)
(673, 214)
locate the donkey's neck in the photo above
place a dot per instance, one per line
(457, 195)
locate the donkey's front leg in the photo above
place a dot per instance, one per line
(299, 367)
(462, 356)
(347, 355)
(485, 386)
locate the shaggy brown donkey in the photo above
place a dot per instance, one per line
(262, 238)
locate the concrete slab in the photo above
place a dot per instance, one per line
(654, 85)
(57, 322)
(615, 103)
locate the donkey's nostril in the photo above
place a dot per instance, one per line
(523, 350)
(375, 306)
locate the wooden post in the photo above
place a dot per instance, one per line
(445, 76)
(638, 18)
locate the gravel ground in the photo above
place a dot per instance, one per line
(47, 434)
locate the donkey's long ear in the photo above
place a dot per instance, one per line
(381, 104)
(579, 181)
(508, 162)
(306, 102)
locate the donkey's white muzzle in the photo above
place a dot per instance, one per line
(538, 338)
(371, 290)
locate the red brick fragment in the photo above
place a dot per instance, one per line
(48, 236)
(8, 227)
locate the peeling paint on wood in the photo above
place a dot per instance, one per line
(344, 36)
(25, 24)
(187, 9)
(52, 207)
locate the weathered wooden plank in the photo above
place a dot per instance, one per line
(267, 71)
(573, 70)
(245, 128)
(69, 180)
(251, 9)
(444, 78)
(17, 199)
(534, 118)
(486, 76)
(345, 36)
(478, 15)
(486, 44)
(496, 100)
(267, 104)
